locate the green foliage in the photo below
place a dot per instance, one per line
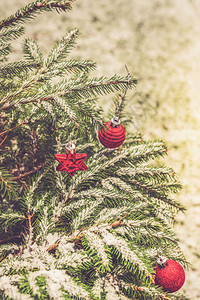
(32, 52)
(95, 235)
(9, 187)
(31, 10)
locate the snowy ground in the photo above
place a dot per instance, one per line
(159, 41)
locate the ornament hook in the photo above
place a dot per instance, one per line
(70, 147)
(162, 261)
(115, 122)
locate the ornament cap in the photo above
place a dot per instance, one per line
(162, 261)
(115, 122)
(70, 146)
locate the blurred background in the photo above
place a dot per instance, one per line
(159, 41)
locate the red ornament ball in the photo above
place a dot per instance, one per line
(113, 135)
(170, 276)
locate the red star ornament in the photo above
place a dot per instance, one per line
(71, 162)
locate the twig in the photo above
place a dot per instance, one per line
(35, 169)
(122, 96)
(24, 122)
(19, 236)
(34, 136)
(5, 182)
(30, 229)
(3, 140)
(129, 77)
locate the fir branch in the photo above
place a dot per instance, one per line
(9, 34)
(96, 168)
(5, 49)
(10, 219)
(157, 198)
(30, 199)
(110, 214)
(44, 223)
(68, 258)
(16, 68)
(146, 151)
(62, 209)
(72, 66)
(123, 185)
(61, 49)
(49, 108)
(57, 279)
(61, 185)
(8, 187)
(129, 257)
(32, 52)
(98, 287)
(101, 192)
(100, 86)
(85, 217)
(88, 112)
(7, 100)
(162, 189)
(13, 98)
(157, 173)
(66, 108)
(76, 89)
(29, 12)
(111, 289)
(93, 243)
(68, 89)
(135, 291)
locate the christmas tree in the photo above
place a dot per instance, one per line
(81, 215)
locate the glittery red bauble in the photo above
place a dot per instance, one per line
(171, 276)
(112, 137)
